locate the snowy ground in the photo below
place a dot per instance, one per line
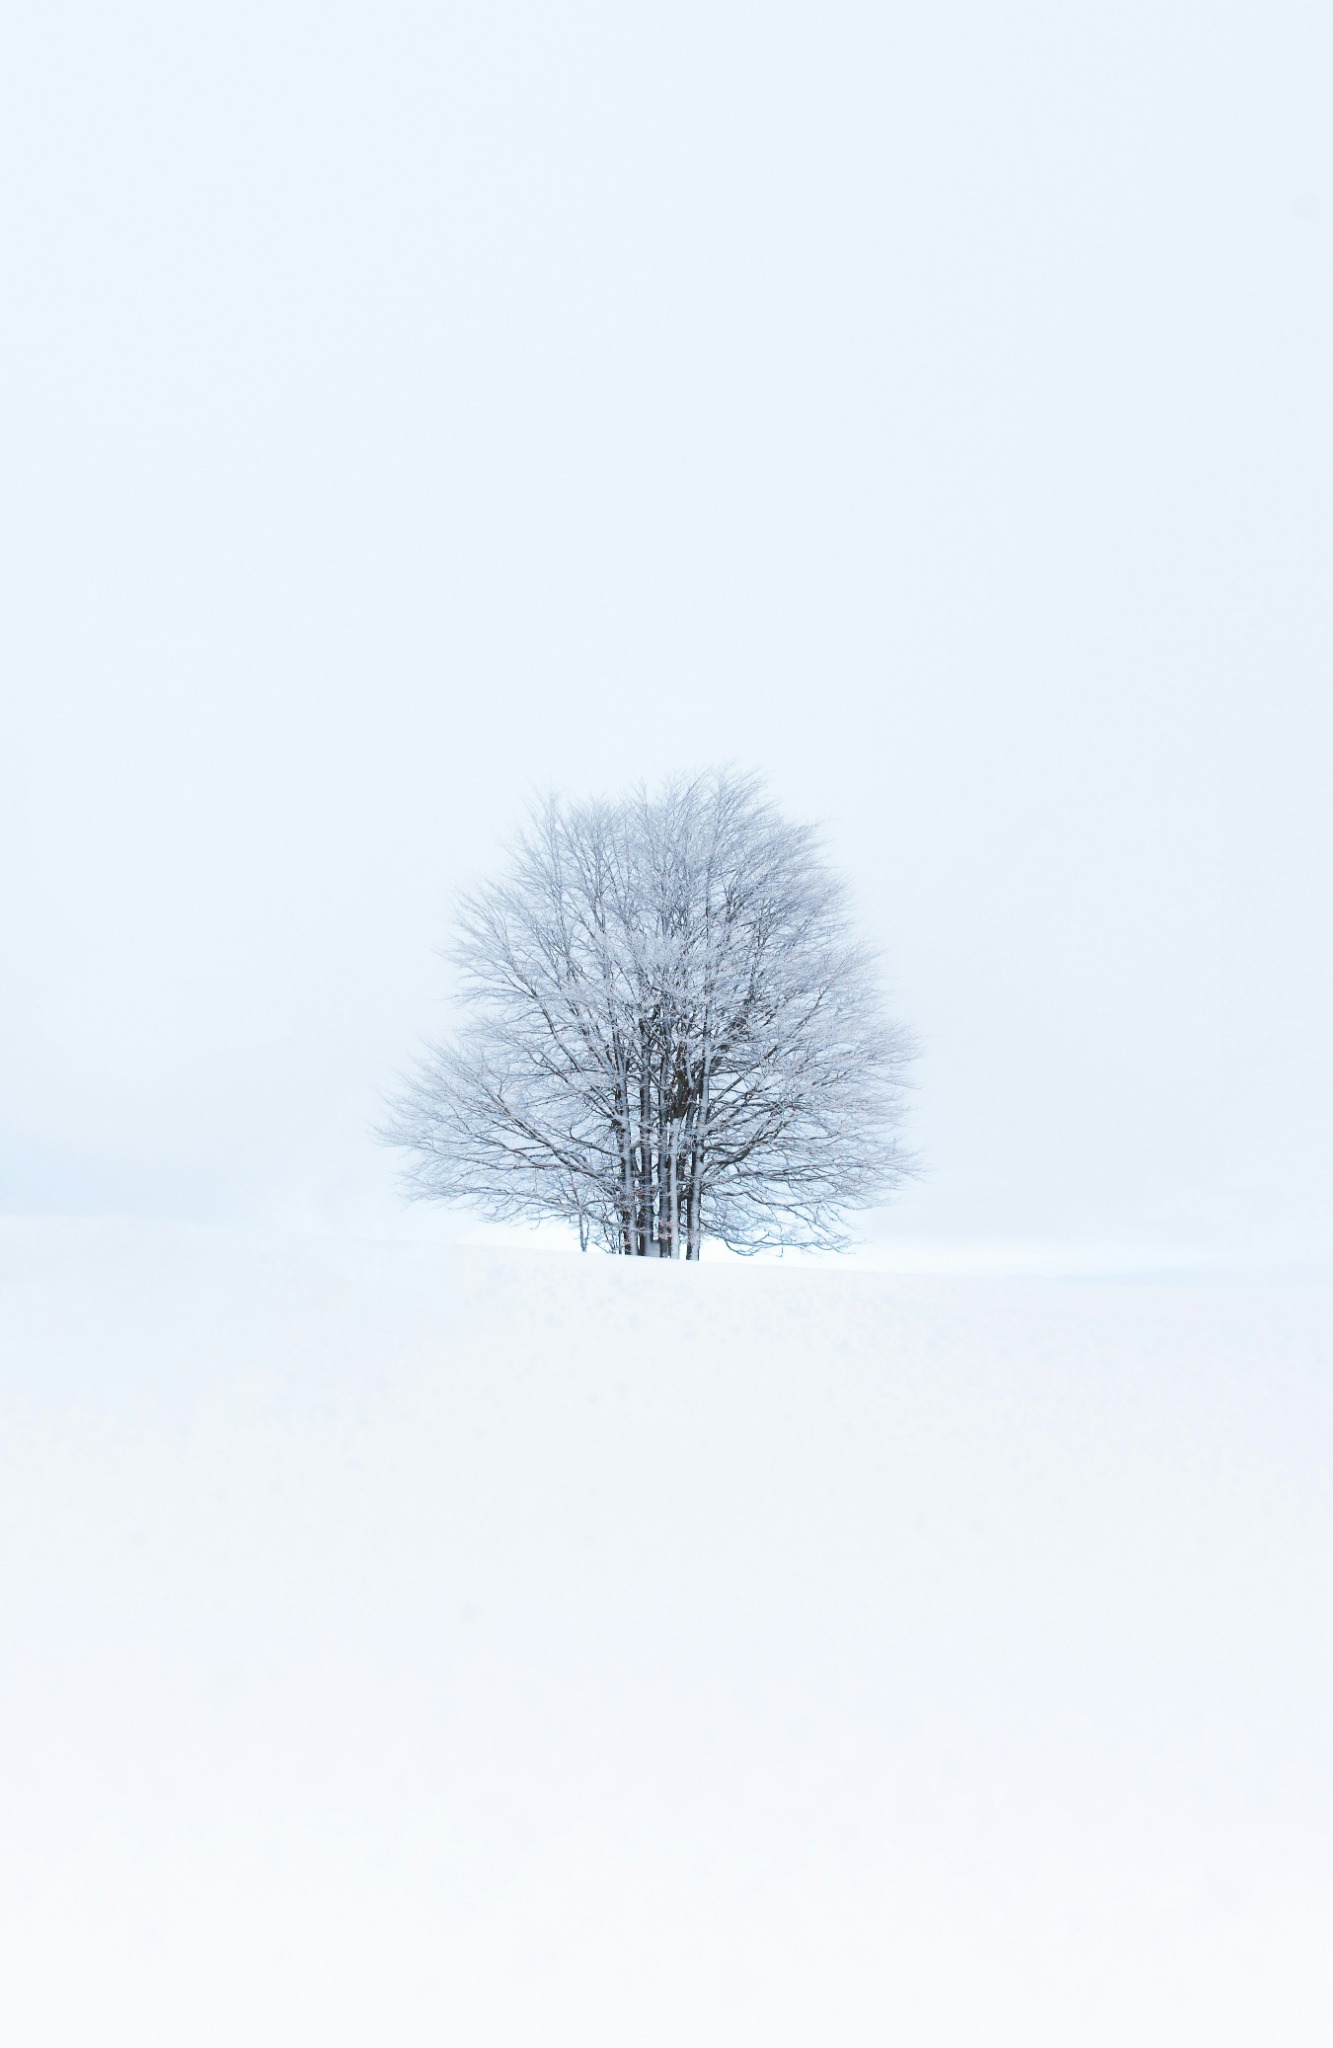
(480, 1647)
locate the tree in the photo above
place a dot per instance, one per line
(673, 1034)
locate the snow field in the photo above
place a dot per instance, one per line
(422, 1646)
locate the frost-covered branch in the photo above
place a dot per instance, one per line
(674, 1035)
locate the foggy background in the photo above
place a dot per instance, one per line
(408, 408)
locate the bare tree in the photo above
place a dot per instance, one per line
(673, 1035)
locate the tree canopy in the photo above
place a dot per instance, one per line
(673, 1034)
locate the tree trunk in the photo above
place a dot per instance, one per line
(663, 1171)
(694, 1243)
(673, 1210)
(626, 1163)
(644, 1233)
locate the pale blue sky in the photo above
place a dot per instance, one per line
(407, 407)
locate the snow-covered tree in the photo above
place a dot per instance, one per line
(673, 1035)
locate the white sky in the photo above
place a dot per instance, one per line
(929, 407)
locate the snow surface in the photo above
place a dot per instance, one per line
(476, 1646)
